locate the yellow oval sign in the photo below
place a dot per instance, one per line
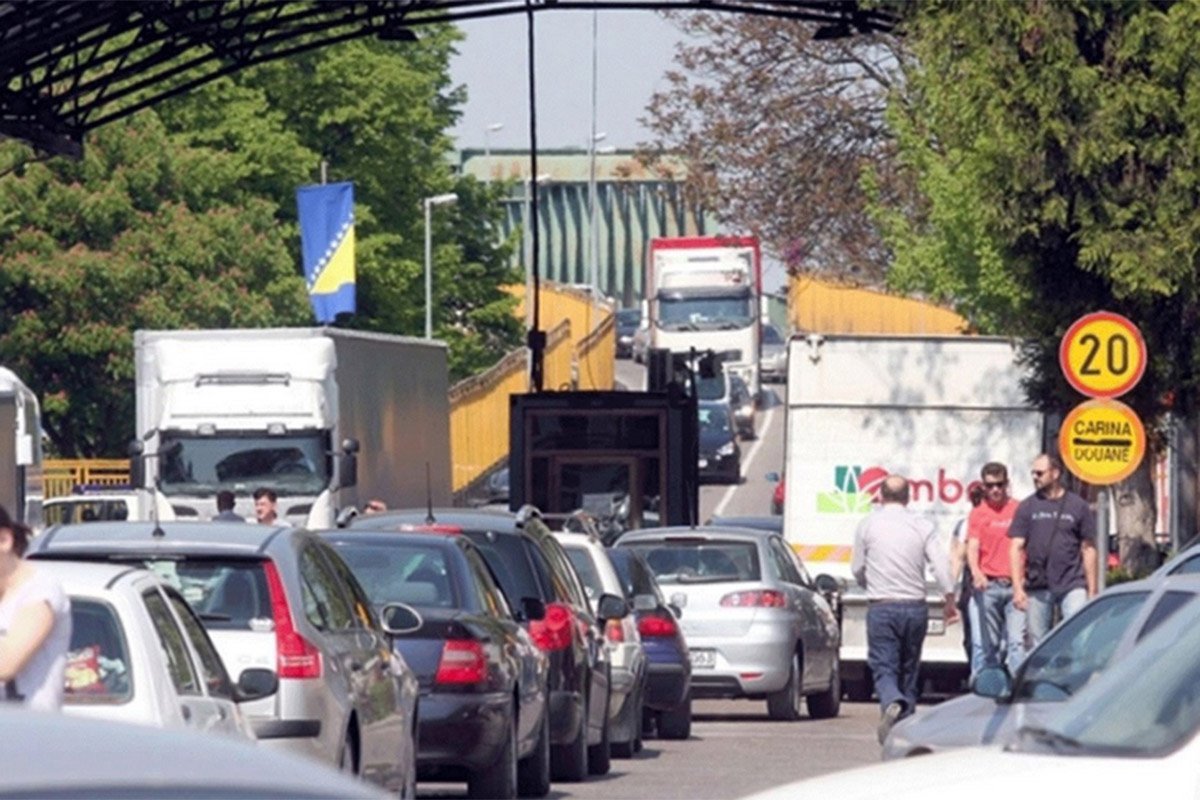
(1103, 355)
(1102, 441)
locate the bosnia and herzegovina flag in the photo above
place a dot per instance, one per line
(327, 245)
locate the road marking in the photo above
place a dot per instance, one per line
(749, 459)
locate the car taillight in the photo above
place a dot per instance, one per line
(614, 631)
(765, 598)
(656, 627)
(553, 632)
(463, 662)
(295, 657)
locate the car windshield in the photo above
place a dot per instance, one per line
(711, 388)
(714, 419)
(1147, 704)
(202, 465)
(506, 556)
(706, 313)
(400, 573)
(581, 560)
(702, 561)
(770, 335)
(98, 662)
(629, 317)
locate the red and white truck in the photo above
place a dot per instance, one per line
(704, 292)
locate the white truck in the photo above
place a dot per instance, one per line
(934, 409)
(21, 484)
(704, 293)
(327, 418)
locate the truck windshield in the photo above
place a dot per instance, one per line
(705, 313)
(202, 465)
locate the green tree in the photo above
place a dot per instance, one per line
(1055, 148)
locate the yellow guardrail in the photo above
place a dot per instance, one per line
(823, 307)
(60, 476)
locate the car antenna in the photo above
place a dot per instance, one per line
(429, 518)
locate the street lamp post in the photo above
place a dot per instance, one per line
(527, 245)
(487, 148)
(430, 202)
(593, 258)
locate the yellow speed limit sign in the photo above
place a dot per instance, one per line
(1103, 355)
(1102, 441)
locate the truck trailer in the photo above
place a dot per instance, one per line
(326, 418)
(704, 293)
(934, 409)
(21, 484)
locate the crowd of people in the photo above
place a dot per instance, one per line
(1015, 567)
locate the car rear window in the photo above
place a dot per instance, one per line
(581, 559)
(505, 554)
(98, 660)
(227, 594)
(701, 561)
(396, 573)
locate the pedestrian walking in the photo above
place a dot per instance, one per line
(1002, 624)
(35, 625)
(968, 608)
(1052, 550)
(892, 547)
(225, 512)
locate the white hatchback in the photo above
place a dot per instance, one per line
(139, 654)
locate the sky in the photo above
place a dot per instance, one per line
(634, 51)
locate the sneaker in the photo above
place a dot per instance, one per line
(893, 712)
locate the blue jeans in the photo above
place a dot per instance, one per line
(1042, 603)
(895, 634)
(1003, 627)
(975, 627)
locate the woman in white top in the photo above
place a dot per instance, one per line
(35, 625)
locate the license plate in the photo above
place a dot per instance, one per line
(703, 659)
(936, 627)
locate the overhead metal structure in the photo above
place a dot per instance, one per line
(68, 66)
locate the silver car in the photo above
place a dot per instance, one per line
(756, 627)
(773, 361)
(1097, 636)
(138, 654)
(281, 599)
(621, 639)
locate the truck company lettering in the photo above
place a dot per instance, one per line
(857, 489)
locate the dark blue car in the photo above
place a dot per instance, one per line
(483, 711)
(668, 700)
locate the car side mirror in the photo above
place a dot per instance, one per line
(611, 607)
(993, 682)
(532, 609)
(400, 618)
(255, 683)
(346, 516)
(829, 588)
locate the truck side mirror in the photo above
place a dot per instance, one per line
(347, 470)
(137, 464)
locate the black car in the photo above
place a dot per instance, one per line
(668, 704)
(720, 456)
(628, 320)
(483, 712)
(527, 561)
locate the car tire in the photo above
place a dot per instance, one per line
(600, 754)
(500, 779)
(569, 762)
(857, 691)
(348, 760)
(827, 704)
(408, 791)
(676, 723)
(784, 705)
(533, 772)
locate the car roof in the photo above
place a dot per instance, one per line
(465, 518)
(231, 538)
(764, 524)
(383, 537)
(89, 576)
(699, 532)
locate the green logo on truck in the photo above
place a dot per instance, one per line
(855, 490)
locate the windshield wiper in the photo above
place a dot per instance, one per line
(1055, 740)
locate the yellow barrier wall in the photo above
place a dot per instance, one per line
(824, 307)
(61, 475)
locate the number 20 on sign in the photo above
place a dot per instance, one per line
(1103, 355)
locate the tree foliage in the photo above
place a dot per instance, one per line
(185, 217)
(1055, 148)
(777, 130)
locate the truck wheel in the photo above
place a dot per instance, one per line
(785, 704)
(858, 690)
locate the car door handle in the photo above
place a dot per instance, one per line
(186, 711)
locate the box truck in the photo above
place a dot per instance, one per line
(21, 485)
(704, 293)
(327, 418)
(934, 409)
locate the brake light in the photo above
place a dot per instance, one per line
(656, 627)
(614, 631)
(432, 527)
(765, 598)
(463, 662)
(295, 656)
(553, 632)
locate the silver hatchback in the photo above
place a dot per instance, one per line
(755, 627)
(279, 598)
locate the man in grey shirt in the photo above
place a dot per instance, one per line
(891, 548)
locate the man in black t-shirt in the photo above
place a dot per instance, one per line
(1053, 549)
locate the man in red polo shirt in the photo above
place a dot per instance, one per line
(1002, 624)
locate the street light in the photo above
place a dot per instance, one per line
(527, 244)
(593, 241)
(487, 148)
(430, 202)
